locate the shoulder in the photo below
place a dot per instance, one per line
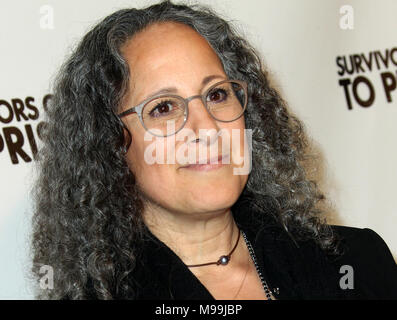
(363, 243)
(366, 255)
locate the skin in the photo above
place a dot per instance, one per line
(186, 209)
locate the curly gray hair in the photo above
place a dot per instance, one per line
(88, 210)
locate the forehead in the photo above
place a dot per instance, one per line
(168, 45)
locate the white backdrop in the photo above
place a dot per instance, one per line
(301, 43)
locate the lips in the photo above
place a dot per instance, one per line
(208, 164)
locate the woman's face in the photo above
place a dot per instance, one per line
(174, 55)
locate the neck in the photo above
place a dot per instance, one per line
(196, 238)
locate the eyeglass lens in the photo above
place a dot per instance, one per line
(225, 102)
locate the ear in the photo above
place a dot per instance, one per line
(127, 138)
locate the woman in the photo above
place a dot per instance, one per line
(116, 222)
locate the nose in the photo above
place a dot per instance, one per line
(199, 117)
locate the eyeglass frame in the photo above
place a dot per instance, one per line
(138, 108)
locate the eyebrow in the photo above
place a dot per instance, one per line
(205, 81)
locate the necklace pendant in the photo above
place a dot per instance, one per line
(223, 260)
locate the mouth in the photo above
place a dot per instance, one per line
(208, 164)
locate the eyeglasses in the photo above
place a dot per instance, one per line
(225, 101)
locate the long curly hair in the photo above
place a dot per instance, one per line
(87, 219)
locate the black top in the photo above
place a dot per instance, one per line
(291, 272)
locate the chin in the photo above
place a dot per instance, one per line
(214, 198)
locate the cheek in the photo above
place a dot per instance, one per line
(241, 151)
(239, 144)
(157, 182)
(153, 178)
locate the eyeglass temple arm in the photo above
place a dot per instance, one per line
(137, 109)
(127, 112)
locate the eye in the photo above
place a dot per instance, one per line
(217, 95)
(161, 109)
